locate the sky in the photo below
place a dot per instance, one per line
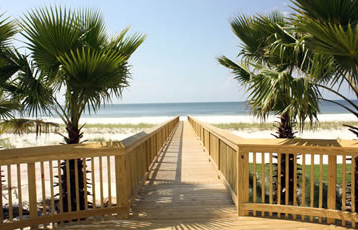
(177, 62)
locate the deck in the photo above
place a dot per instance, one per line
(184, 192)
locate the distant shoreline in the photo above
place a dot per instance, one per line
(213, 119)
(115, 129)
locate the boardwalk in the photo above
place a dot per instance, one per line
(184, 192)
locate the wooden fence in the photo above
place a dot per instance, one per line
(31, 192)
(316, 183)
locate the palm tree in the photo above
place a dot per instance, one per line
(7, 30)
(332, 30)
(271, 55)
(73, 51)
(14, 65)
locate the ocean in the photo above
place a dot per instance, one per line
(195, 109)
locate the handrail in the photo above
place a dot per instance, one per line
(250, 172)
(226, 137)
(108, 176)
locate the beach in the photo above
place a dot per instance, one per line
(118, 128)
(99, 129)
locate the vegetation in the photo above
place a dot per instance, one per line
(15, 74)
(269, 126)
(331, 29)
(72, 52)
(267, 69)
(121, 126)
(307, 182)
(270, 56)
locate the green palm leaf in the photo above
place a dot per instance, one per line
(72, 49)
(333, 33)
(272, 52)
(95, 75)
(241, 72)
(8, 29)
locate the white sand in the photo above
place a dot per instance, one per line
(96, 134)
(341, 133)
(117, 120)
(252, 119)
(115, 134)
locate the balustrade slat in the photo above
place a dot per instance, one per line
(52, 190)
(42, 169)
(42, 165)
(101, 181)
(344, 174)
(77, 187)
(271, 181)
(287, 182)
(9, 185)
(353, 189)
(303, 177)
(122, 188)
(32, 190)
(320, 201)
(295, 181)
(109, 181)
(69, 205)
(312, 184)
(254, 178)
(1, 196)
(60, 186)
(287, 177)
(316, 206)
(19, 191)
(85, 183)
(332, 182)
(279, 171)
(93, 172)
(263, 177)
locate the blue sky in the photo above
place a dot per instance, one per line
(177, 62)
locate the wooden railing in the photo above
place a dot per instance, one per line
(317, 183)
(31, 188)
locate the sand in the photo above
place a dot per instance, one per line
(106, 134)
(115, 134)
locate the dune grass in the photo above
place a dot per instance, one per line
(308, 184)
(270, 126)
(120, 126)
(308, 171)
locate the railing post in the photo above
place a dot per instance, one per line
(121, 183)
(1, 205)
(219, 155)
(332, 182)
(32, 192)
(242, 180)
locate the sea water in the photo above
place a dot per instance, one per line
(194, 108)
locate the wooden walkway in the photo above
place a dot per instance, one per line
(184, 192)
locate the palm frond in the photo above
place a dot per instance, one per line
(126, 45)
(50, 32)
(29, 87)
(241, 72)
(281, 93)
(95, 75)
(8, 29)
(21, 126)
(93, 30)
(332, 11)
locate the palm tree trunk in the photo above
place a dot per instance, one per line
(74, 136)
(285, 131)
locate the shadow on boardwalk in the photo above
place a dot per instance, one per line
(184, 192)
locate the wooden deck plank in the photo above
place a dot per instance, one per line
(184, 192)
